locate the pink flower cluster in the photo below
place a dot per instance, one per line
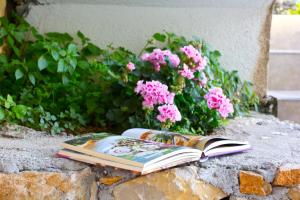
(217, 100)
(158, 56)
(168, 112)
(186, 72)
(192, 53)
(153, 93)
(130, 66)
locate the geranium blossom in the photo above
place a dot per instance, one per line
(153, 93)
(201, 64)
(157, 58)
(225, 108)
(192, 53)
(217, 100)
(168, 112)
(186, 72)
(130, 66)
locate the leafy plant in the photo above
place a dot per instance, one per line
(296, 10)
(10, 111)
(58, 85)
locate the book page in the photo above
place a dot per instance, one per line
(227, 149)
(123, 147)
(157, 136)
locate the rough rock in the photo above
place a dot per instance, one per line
(253, 183)
(294, 193)
(177, 183)
(48, 185)
(274, 143)
(288, 175)
(23, 149)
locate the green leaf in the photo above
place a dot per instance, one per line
(9, 102)
(42, 63)
(159, 37)
(18, 74)
(61, 66)
(92, 50)
(59, 37)
(63, 53)
(31, 78)
(65, 80)
(3, 59)
(73, 63)
(72, 48)
(150, 49)
(55, 55)
(83, 64)
(3, 32)
(82, 37)
(10, 41)
(2, 114)
(20, 111)
(19, 36)
(16, 50)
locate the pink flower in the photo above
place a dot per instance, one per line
(201, 64)
(153, 93)
(217, 100)
(192, 53)
(139, 86)
(225, 108)
(173, 58)
(214, 98)
(130, 66)
(168, 112)
(186, 72)
(145, 56)
(158, 56)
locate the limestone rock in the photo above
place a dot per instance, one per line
(110, 180)
(252, 183)
(287, 175)
(23, 149)
(48, 185)
(178, 183)
(294, 193)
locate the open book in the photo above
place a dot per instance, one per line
(145, 151)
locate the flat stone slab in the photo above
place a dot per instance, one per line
(274, 145)
(23, 149)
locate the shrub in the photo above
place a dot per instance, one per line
(60, 85)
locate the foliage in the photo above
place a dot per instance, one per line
(50, 82)
(282, 7)
(296, 10)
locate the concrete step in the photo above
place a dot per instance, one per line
(288, 104)
(284, 70)
(285, 32)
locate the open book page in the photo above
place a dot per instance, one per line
(210, 145)
(216, 146)
(157, 136)
(124, 149)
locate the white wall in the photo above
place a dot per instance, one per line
(234, 27)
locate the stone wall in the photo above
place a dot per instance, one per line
(29, 169)
(239, 29)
